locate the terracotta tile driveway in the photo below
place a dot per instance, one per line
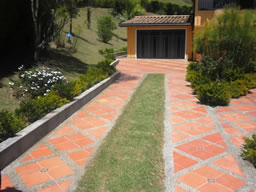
(204, 153)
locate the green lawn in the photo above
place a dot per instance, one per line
(130, 158)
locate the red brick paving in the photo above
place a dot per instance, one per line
(201, 156)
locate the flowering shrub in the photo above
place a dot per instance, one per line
(37, 82)
(47, 90)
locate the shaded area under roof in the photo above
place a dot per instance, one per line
(159, 20)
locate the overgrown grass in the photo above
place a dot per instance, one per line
(130, 159)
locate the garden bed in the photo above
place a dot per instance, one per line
(13, 147)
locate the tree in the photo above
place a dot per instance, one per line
(89, 13)
(43, 23)
(71, 8)
(127, 8)
(105, 25)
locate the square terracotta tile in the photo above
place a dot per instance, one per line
(201, 149)
(232, 117)
(252, 114)
(71, 141)
(183, 96)
(208, 172)
(188, 114)
(249, 127)
(200, 109)
(216, 138)
(210, 179)
(80, 157)
(28, 169)
(60, 171)
(230, 182)
(179, 189)
(236, 102)
(35, 179)
(81, 115)
(238, 141)
(229, 129)
(206, 121)
(63, 131)
(229, 163)
(60, 187)
(66, 146)
(213, 187)
(244, 107)
(175, 120)
(5, 182)
(182, 162)
(185, 104)
(192, 179)
(110, 117)
(224, 109)
(99, 110)
(192, 128)
(177, 136)
(88, 123)
(98, 133)
(41, 151)
(63, 144)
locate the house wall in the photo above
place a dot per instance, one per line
(202, 16)
(131, 44)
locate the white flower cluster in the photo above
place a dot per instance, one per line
(38, 82)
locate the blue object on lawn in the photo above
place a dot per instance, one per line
(69, 35)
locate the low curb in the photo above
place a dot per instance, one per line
(12, 148)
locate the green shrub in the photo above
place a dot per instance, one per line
(250, 67)
(35, 109)
(106, 51)
(238, 88)
(105, 26)
(249, 150)
(232, 34)
(233, 74)
(197, 79)
(10, 124)
(69, 90)
(93, 76)
(193, 66)
(215, 69)
(250, 80)
(106, 67)
(213, 93)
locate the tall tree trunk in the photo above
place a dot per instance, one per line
(37, 27)
(71, 25)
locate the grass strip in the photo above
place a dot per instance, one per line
(130, 158)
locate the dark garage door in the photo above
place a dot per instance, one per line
(161, 44)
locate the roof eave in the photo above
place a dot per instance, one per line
(155, 24)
